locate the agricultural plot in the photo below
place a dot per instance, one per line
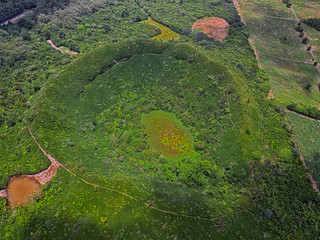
(269, 8)
(289, 81)
(166, 33)
(286, 60)
(276, 37)
(314, 38)
(306, 9)
(307, 134)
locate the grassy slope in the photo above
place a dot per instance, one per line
(307, 135)
(271, 42)
(305, 10)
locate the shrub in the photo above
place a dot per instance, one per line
(307, 87)
(298, 28)
(257, 155)
(285, 154)
(305, 40)
(313, 22)
(268, 213)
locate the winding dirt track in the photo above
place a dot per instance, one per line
(16, 18)
(61, 49)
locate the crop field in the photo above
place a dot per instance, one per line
(314, 37)
(288, 82)
(277, 37)
(307, 134)
(306, 9)
(269, 8)
(283, 56)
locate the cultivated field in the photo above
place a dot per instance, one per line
(307, 135)
(283, 56)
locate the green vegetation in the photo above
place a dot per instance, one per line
(9, 9)
(313, 22)
(166, 33)
(161, 140)
(282, 53)
(312, 112)
(307, 134)
(166, 135)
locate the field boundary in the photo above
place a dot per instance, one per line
(313, 182)
(250, 39)
(308, 44)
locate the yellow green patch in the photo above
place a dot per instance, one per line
(167, 135)
(166, 33)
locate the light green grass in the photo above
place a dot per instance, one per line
(288, 80)
(273, 8)
(306, 9)
(307, 134)
(314, 38)
(277, 37)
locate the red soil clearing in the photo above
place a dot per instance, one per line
(61, 49)
(21, 190)
(216, 28)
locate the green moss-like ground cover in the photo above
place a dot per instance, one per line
(167, 135)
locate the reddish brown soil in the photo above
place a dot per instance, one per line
(270, 95)
(21, 190)
(61, 49)
(216, 28)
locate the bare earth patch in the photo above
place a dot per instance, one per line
(16, 18)
(61, 49)
(216, 28)
(21, 188)
(270, 95)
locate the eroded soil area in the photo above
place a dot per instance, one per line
(21, 190)
(216, 28)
